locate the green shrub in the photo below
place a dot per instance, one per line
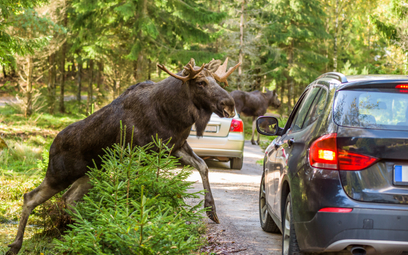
(136, 206)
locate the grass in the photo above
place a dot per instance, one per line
(22, 169)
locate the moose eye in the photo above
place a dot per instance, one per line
(200, 83)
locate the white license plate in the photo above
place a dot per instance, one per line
(208, 129)
(400, 175)
(211, 129)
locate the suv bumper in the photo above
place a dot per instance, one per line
(379, 229)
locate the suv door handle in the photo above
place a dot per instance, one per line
(290, 142)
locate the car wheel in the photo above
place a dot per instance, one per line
(236, 163)
(289, 242)
(267, 223)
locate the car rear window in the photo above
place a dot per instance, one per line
(371, 109)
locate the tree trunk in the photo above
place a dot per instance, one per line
(135, 70)
(29, 89)
(79, 82)
(99, 83)
(90, 88)
(335, 36)
(4, 71)
(149, 62)
(63, 54)
(291, 81)
(241, 45)
(51, 84)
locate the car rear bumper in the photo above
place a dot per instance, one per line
(381, 230)
(231, 146)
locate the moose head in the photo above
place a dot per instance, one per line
(272, 98)
(203, 87)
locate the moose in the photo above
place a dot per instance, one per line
(167, 109)
(254, 104)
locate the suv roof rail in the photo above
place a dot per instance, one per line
(334, 75)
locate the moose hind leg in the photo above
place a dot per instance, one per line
(187, 156)
(253, 131)
(77, 190)
(31, 200)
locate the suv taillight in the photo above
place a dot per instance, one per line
(324, 154)
(237, 126)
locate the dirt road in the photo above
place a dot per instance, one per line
(236, 198)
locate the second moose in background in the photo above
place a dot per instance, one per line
(254, 104)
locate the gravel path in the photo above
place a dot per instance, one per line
(236, 199)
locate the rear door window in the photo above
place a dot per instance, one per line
(311, 108)
(317, 108)
(371, 109)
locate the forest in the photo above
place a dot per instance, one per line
(51, 50)
(62, 60)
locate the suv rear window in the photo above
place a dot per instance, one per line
(371, 109)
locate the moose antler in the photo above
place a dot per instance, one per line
(192, 72)
(221, 76)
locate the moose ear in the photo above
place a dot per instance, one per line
(192, 62)
(213, 65)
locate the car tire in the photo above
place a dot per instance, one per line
(289, 241)
(267, 223)
(236, 163)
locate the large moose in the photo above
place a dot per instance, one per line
(168, 108)
(254, 104)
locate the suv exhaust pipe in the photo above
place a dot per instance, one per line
(358, 250)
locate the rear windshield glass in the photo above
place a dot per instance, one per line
(371, 109)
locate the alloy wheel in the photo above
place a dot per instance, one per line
(262, 202)
(286, 230)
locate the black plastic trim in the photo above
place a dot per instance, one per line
(334, 75)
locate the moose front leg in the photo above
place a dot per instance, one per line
(188, 157)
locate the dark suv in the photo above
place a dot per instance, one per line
(336, 177)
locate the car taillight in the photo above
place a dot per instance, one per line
(324, 154)
(237, 126)
(353, 161)
(403, 88)
(336, 210)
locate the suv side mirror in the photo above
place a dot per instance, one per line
(267, 125)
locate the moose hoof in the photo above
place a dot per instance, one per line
(213, 216)
(253, 142)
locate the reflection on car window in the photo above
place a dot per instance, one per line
(316, 109)
(304, 109)
(369, 109)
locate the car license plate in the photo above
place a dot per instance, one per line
(208, 129)
(400, 175)
(211, 129)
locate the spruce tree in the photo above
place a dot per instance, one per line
(296, 28)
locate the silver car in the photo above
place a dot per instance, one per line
(223, 140)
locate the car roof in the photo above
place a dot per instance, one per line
(372, 77)
(341, 81)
